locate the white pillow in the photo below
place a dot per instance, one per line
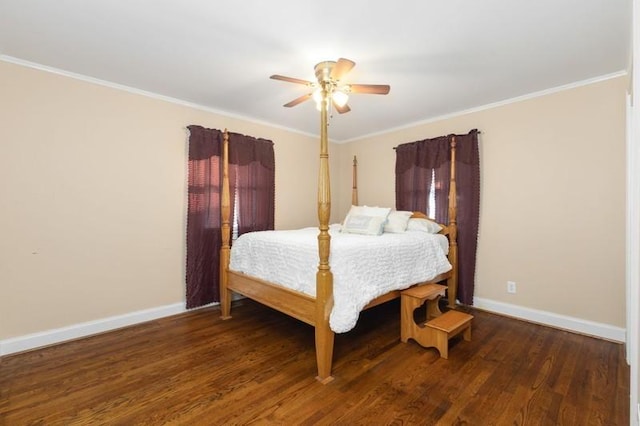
(376, 211)
(423, 225)
(367, 211)
(363, 224)
(355, 210)
(397, 221)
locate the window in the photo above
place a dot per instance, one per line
(234, 219)
(431, 211)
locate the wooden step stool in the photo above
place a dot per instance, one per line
(439, 327)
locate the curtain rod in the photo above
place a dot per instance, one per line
(477, 131)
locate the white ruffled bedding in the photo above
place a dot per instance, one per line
(364, 267)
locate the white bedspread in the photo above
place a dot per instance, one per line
(364, 267)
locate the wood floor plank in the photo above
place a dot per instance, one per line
(259, 368)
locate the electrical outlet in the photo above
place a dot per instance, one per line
(511, 287)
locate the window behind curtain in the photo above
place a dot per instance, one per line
(431, 199)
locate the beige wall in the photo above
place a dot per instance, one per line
(552, 213)
(92, 186)
(93, 189)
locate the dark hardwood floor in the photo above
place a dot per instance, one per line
(259, 368)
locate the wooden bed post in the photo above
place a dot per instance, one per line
(452, 282)
(354, 188)
(324, 277)
(225, 207)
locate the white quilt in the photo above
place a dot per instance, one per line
(364, 267)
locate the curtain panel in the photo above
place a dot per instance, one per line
(416, 162)
(252, 192)
(252, 174)
(203, 216)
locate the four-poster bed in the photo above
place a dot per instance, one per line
(316, 311)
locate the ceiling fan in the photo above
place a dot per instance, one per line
(329, 75)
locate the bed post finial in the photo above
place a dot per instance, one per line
(225, 251)
(354, 190)
(452, 282)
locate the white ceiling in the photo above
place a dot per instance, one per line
(440, 57)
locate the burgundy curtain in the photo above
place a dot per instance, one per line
(415, 163)
(203, 216)
(252, 172)
(252, 188)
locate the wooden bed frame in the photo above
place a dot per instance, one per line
(316, 311)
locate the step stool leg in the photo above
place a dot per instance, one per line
(466, 334)
(442, 344)
(408, 304)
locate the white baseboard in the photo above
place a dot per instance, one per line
(591, 328)
(58, 335)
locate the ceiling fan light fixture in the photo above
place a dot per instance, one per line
(340, 98)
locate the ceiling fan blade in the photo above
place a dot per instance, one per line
(297, 101)
(342, 109)
(291, 79)
(374, 89)
(341, 67)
